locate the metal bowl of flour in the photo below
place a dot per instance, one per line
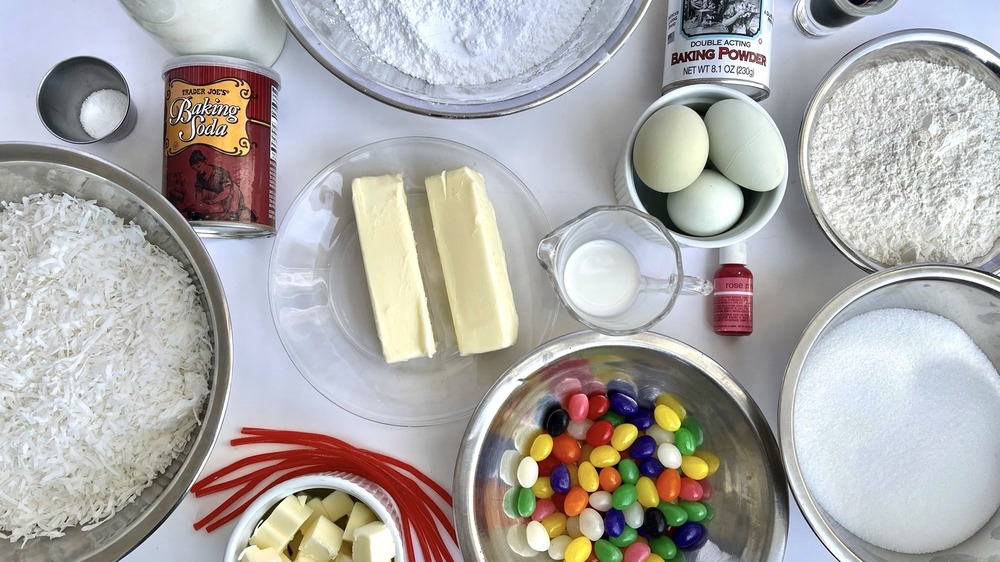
(940, 47)
(327, 33)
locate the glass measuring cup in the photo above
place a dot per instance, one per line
(616, 269)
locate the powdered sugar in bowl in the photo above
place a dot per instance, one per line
(907, 174)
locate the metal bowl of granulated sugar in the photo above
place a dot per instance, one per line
(454, 58)
(899, 152)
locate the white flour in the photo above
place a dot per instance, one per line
(464, 42)
(905, 162)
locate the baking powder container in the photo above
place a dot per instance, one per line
(64, 91)
(219, 147)
(724, 42)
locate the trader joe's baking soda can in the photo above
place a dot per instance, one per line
(724, 42)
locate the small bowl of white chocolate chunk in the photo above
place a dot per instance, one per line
(325, 517)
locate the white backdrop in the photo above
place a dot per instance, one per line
(564, 151)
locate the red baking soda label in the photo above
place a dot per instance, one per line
(219, 146)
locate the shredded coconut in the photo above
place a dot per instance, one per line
(104, 362)
(905, 162)
(464, 42)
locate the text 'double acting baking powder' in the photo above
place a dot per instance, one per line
(724, 42)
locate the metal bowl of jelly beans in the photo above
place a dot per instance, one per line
(592, 447)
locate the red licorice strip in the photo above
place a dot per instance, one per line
(313, 453)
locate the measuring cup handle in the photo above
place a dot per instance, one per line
(691, 285)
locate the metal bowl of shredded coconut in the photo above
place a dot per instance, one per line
(115, 356)
(461, 58)
(899, 152)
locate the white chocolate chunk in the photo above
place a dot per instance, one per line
(389, 252)
(472, 260)
(279, 527)
(321, 540)
(255, 554)
(360, 516)
(373, 543)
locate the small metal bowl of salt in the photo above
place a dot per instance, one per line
(83, 100)
(899, 152)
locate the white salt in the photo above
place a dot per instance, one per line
(896, 416)
(102, 112)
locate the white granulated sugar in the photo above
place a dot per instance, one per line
(896, 417)
(104, 363)
(464, 42)
(905, 162)
(102, 112)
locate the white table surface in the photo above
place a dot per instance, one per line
(564, 151)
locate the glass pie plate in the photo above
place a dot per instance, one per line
(319, 292)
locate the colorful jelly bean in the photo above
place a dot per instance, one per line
(587, 476)
(624, 496)
(598, 406)
(663, 547)
(689, 536)
(643, 419)
(655, 523)
(600, 500)
(607, 552)
(614, 522)
(557, 547)
(666, 418)
(694, 468)
(660, 435)
(684, 441)
(525, 502)
(646, 494)
(566, 449)
(651, 467)
(642, 448)
(623, 404)
(556, 422)
(586, 449)
(623, 436)
(579, 550)
(543, 508)
(576, 501)
(636, 552)
(669, 400)
(691, 490)
(696, 510)
(653, 557)
(674, 514)
(573, 526)
(629, 471)
(600, 433)
(605, 456)
(527, 472)
(578, 406)
(635, 515)
(668, 485)
(560, 480)
(591, 524)
(623, 386)
(517, 539)
(578, 430)
(541, 447)
(668, 455)
(546, 465)
(610, 478)
(710, 459)
(627, 537)
(538, 538)
(542, 489)
(614, 418)
(693, 426)
(555, 524)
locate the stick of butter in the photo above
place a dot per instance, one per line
(389, 252)
(472, 260)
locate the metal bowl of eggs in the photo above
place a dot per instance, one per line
(447, 60)
(88, 449)
(908, 354)
(706, 160)
(319, 517)
(748, 490)
(892, 176)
